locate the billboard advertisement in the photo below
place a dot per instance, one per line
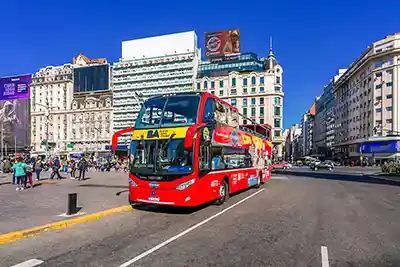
(14, 115)
(222, 43)
(391, 146)
(92, 78)
(16, 87)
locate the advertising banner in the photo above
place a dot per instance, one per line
(391, 146)
(222, 43)
(14, 114)
(15, 87)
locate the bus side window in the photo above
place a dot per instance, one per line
(221, 115)
(209, 111)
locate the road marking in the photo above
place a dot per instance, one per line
(166, 242)
(29, 263)
(324, 256)
(279, 177)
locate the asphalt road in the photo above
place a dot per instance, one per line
(291, 221)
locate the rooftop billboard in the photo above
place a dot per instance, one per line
(92, 78)
(15, 87)
(222, 43)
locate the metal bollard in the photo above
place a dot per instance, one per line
(71, 204)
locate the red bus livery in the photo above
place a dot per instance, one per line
(188, 149)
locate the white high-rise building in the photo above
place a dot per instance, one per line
(149, 67)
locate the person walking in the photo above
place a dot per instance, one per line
(82, 165)
(20, 172)
(38, 168)
(73, 169)
(55, 167)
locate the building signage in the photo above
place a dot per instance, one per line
(222, 43)
(15, 87)
(391, 146)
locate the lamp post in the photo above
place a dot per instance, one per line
(47, 116)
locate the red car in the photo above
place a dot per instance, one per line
(280, 165)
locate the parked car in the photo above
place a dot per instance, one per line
(322, 165)
(281, 165)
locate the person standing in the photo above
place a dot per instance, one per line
(55, 167)
(73, 169)
(20, 172)
(82, 165)
(38, 168)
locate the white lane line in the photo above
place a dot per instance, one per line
(29, 263)
(273, 177)
(324, 256)
(166, 242)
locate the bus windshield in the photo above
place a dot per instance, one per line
(171, 111)
(160, 157)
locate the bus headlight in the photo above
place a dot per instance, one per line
(131, 182)
(185, 185)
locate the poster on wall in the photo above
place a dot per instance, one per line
(222, 43)
(15, 87)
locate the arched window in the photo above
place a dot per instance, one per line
(253, 80)
(205, 84)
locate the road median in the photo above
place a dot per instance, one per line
(14, 236)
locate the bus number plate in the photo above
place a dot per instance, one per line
(154, 198)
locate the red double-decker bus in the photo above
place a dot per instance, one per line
(188, 149)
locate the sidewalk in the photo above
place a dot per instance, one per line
(45, 202)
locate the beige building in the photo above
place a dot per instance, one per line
(367, 101)
(71, 122)
(257, 94)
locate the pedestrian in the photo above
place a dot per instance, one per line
(82, 165)
(38, 168)
(28, 176)
(20, 172)
(55, 168)
(73, 169)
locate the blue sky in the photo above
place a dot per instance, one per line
(312, 39)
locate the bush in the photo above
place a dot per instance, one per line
(392, 168)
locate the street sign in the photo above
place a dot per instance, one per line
(70, 145)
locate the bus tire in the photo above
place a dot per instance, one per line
(223, 193)
(259, 181)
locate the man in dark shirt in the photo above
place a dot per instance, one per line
(55, 168)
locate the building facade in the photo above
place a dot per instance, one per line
(251, 84)
(291, 143)
(70, 121)
(150, 67)
(367, 114)
(307, 131)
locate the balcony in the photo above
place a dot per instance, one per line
(156, 68)
(156, 76)
(143, 85)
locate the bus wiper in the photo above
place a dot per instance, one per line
(169, 141)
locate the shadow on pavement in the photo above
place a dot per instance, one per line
(170, 209)
(104, 186)
(121, 192)
(342, 177)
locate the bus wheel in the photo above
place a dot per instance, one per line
(223, 193)
(259, 183)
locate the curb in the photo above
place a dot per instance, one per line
(14, 236)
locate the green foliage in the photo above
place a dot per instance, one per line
(392, 168)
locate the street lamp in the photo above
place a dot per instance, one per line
(47, 115)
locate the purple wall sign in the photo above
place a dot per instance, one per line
(15, 87)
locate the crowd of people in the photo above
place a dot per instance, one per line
(23, 168)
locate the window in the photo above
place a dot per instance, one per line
(277, 89)
(389, 108)
(221, 84)
(233, 102)
(277, 123)
(262, 90)
(277, 111)
(244, 122)
(261, 100)
(253, 101)
(233, 82)
(245, 111)
(253, 80)
(389, 121)
(378, 109)
(278, 80)
(212, 84)
(253, 112)
(261, 111)
(261, 121)
(389, 96)
(244, 102)
(378, 98)
(213, 92)
(389, 84)
(233, 91)
(261, 80)
(205, 84)
(244, 90)
(221, 92)
(245, 82)
(378, 122)
(378, 86)
(253, 90)
(277, 100)
(277, 133)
